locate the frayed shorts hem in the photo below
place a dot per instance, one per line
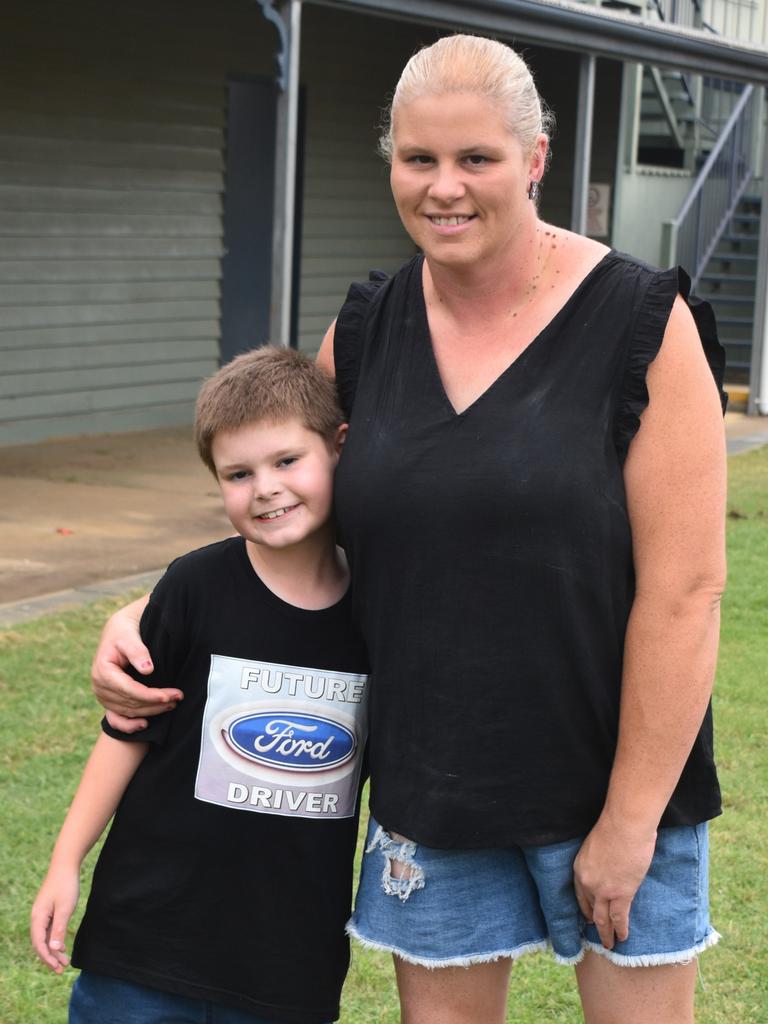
(452, 961)
(682, 956)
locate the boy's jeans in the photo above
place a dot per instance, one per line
(97, 999)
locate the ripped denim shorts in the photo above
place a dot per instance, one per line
(444, 908)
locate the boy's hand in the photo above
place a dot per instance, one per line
(119, 646)
(51, 911)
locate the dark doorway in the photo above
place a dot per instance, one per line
(248, 204)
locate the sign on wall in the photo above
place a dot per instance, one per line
(598, 208)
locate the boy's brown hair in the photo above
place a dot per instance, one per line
(267, 384)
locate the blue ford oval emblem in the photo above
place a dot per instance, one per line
(304, 743)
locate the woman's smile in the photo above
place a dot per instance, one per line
(450, 225)
(460, 177)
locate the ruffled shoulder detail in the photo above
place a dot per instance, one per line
(648, 334)
(349, 334)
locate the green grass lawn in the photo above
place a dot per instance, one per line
(50, 721)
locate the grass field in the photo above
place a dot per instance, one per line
(49, 722)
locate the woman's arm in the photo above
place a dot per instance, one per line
(324, 357)
(110, 768)
(124, 698)
(676, 485)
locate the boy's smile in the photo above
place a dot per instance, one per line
(276, 480)
(277, 513)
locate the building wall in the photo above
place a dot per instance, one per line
(111, 141)
(661, 191)
(743, 20)
(112, 150)
(350, 65)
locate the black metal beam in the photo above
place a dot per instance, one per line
(583, 28)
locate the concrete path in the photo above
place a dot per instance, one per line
(744, 433)
(78, 512)
(90, 517)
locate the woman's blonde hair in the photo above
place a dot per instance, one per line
(473, 64)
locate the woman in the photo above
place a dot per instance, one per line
(531, 498)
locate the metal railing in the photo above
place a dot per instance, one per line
(691, 238)
(709, 106)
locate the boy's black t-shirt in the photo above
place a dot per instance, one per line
(227, 872)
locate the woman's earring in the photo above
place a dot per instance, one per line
(533, 191)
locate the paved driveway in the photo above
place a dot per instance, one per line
(77, 513)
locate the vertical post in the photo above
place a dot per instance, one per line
(583, 149)
(694, 268)
(733, 169)
(758, 377)
(626, 148)
(669, 231)
(285, 176)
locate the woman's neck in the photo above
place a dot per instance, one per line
(496, 286)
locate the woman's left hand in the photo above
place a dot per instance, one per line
(608, 870)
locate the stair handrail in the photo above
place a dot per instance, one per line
(715, 152)
(702, 247)
(686, 76)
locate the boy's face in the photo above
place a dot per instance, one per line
(277, 481)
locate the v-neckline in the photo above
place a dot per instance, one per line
(535, 342)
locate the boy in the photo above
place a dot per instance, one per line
(222, 890)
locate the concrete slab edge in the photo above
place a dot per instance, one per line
(15, 612)
(748, 443)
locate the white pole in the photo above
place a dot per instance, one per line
(758, 382)
(584, 116)
(285, 179)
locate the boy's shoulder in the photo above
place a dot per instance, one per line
(201, 590)
(203, 565)
(209, 554)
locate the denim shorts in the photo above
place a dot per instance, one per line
(459, 907)
(98, 999)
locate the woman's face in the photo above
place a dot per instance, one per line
(460, 178)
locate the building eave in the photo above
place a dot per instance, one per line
(585, 29)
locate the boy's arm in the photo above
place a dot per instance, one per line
(110, 768)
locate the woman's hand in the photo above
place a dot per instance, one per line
(608, 870)
(121, 695)
(51, 911)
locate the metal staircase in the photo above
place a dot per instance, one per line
(667, 114)
(681, 114)
(729, 281)
(681, 117)
(715, 234)
(708, 127)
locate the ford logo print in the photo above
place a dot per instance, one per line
(304, 743)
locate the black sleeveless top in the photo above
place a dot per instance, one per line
(491, 556)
